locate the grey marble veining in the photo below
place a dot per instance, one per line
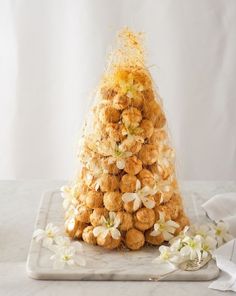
(19, 206)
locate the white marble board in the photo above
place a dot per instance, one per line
(110, 265)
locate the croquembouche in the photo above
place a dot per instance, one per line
(125, 193)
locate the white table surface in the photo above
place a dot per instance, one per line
(19, 202)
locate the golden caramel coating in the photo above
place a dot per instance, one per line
(131, 117)
(128, 206)
(111, 168)
(154, 168)
(182, 221)
(137, 102)
(146, 178)
(107, 93)
(140, 76)
(88, 235)
(144, 219)
(134, 239)
(109, 114)
(164, 209)
(108, 242)
(148, 95)
(121, 102)
(83, 214)
(131, 145)
(128, 183)
(160, 120)
(108, 182)
(174, 206)
(147, 128)
(126, 221)
(74, 228)
(113, 201)
(154, 240)
(133, 165)
(152, 111)
(79, 231)
(94, 199)
(148, 154)
(158, 136)
(96, 216)
(114, 131)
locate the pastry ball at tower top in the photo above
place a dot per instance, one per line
(127, 164)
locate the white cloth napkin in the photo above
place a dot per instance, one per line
(223, 207)
(225, 257)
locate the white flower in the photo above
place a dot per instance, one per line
(167, 254)
(166, 228)
(69, 195)
(140, 196)
(204, 230)
(208, 245)
(109, 225)
(72, 211)
(192, 247)
(118, 156)
(221, 232)
(47, 236)
(66, 256)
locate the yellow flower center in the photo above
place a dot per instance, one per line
(109, 223)
(192, 244)
(118, 153)
(50, 234)
(218, 231)
(165, 255)
(66, 257)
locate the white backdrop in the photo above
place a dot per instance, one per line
(52, 54)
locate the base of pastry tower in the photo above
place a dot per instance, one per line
(113, 265)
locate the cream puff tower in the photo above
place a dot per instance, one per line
(125, 193)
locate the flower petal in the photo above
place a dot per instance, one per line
(116, 221)
(155, 233)
(120, 164)
(98, 230)
(115, 233)
(167, 236)
(127, 197)
(148, 203)
(172, 223)
(138, 185)
(137, 203)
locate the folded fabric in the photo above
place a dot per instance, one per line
(225, 257)
(223, 207)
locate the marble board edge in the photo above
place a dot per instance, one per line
(36, 272)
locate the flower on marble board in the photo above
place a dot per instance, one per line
(192, 247)
(208, 246)
(194, 242)
(47, 235)
(203, 229)
(66, 251)
(109, 225)
(168, 255)
(166, 228)
(221, 232)
(67, 255)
